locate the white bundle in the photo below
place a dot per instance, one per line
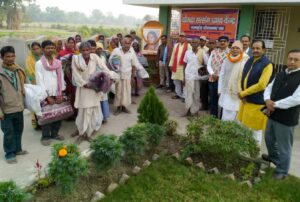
(34, 95)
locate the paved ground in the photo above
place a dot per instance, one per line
(23, 172)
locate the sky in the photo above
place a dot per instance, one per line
(116, 7)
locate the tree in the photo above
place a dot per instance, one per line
(35, 13)
(54, 14)
(151, 109)
(14, 11)
(147, 18)
(97, 17)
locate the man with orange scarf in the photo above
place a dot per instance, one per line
(12, 78)
(228, 86)
(177, 64)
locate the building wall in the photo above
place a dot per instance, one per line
(294, 29)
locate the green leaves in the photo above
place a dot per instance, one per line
(107, 151)
(65, 171)
(151, 109)
(10, 192)
(225, 140)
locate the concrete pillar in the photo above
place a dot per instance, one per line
(164, 17)
(247, 15)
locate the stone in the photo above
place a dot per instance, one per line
(146, 164)
(231, 176)
(247, 182)
(189, 161)
(214, 170)
(264, 166)
(262, 172)
(97, 196)
(200, 165)
(112, 187)
(155, 157)
(256, 180)
(124, 178)
(164, 152)
(176, 155)
(136, 170)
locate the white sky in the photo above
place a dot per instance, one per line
(86, 6)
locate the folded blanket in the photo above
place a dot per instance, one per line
(100, 81)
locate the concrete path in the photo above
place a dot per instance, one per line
(24, 173)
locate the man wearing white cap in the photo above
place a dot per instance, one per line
(203, 41)
(230, 75)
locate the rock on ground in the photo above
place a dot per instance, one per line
(112, 187)
(97, 197)
(124, 179)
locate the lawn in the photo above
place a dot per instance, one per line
(169, 180)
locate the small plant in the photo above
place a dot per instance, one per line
(224, 140)
(248, 171)
(171, 127)
(10, 192)
(66, 167)
(107, 151)
(154, 133)
(151, 109)
(134, 140)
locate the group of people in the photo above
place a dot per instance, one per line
(236, 83)
(64, 74)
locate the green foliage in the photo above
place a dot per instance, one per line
(154, 133)
(10, 192)
(248, 171)
(65, 171)
(134, 140)
(106, 151)
(224, 140)
(171, 127)
(151, 109)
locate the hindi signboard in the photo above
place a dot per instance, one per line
(211, 23)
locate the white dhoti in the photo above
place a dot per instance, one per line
(192, 95)
(228, 115)
(123, 93)
(89, 120)
(257, 134)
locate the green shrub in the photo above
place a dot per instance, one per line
(134, 140)
(106, 151)
(66, 167)
(154, 133)
(224, 140)
(151, 109)
(10, 192)
(248, 171)
(171, 127)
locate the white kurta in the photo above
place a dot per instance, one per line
(48, 79)
(229, 99)
(123, 88)
(192, 80)
(89, 118)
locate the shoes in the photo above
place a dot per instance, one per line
(124, 109)
(182, 100)
(23, 152)
(159, 86)
(11, 160)
(266, 157)
(104, 121)
(74, 134)
(279, 176)
(175, 97)
(46, 142)
(58, 137)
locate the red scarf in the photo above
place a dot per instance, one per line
(174, 68)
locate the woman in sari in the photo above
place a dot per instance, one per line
(58, 46)
(33, 56)
(69, 48)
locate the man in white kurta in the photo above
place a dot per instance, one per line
(123, 87)
(229, 81)
(176, 65)
(87, 101)
(194, 59)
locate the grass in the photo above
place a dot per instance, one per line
(168, 180)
